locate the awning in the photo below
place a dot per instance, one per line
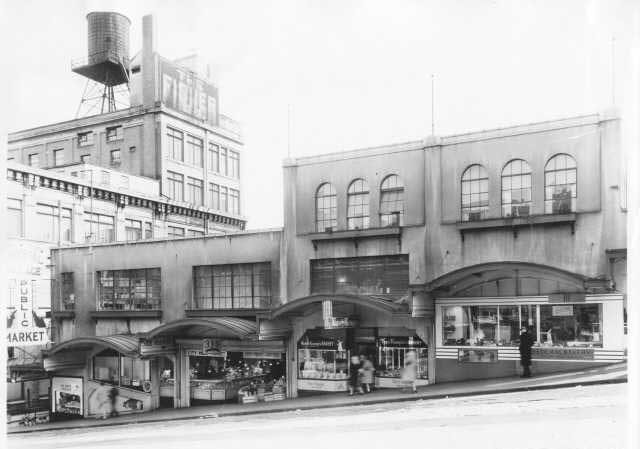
(377, 303)
(218, 327)
(125, 344)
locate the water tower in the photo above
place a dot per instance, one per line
(107, 66)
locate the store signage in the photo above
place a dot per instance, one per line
(401, 342)
(562, 310)
(262, 355)
(24, 327)
(562, 353)
(324, 343)
(200, 353)
(66, 395)
(211, 345)
(322, 385)
(478, 355)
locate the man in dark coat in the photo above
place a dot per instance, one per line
(526, 342)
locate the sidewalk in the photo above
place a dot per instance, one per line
(609, 374)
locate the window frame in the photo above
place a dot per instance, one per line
(363, 206)
(322, 197)
(524, 174)
(114, 133)
(549, 203)
(173, 136)
(483, 208)
(386, 190)
(115, 156)
(174, 180)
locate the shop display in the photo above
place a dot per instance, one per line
(323, 365)
(391, 355)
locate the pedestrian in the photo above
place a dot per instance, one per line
(526, 342)
(354, 376)
(367, 374)
(113, 397)
(410, 370)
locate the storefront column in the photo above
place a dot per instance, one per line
(181, 390)
(155, 383)
(297, 325)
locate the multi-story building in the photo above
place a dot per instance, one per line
(166, 166)
(171, 132)
(444, 247)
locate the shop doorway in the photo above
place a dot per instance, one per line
(167, 382)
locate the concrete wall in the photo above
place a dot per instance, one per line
(175, 258)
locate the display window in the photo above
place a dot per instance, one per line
(111, 367)
(571, 325)
(392, 355)
(323, 359)
(476, 325)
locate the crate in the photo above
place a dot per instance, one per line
(249, 399)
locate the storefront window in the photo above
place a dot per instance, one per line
(105, 367)
(132, 372)
(322, 358)
(571, 325)
(480, 326)
(392, 353)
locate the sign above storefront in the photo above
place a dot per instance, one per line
(333, 322)
(324, 343)
(24, 326)
(562, 310)
(401, 342)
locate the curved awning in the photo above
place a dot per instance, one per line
(124, 344)
(206, 327)
(468, 277)
(371, 302)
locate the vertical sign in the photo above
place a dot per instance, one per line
(24, 328)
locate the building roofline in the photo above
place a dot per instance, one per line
(458, 138)
(229, 234)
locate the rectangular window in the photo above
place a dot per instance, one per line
(214, 196)
(34, 160)
(194, 154)
(148, 230)
(67, 292)
(85, 158)
(129, 289)
(572, 325)
(115, 369)
(114, 133)
(214, 153)
(100, 228)
(377, 275)
(175, 184)
(175, 141)
(174, 231)
(133, 230)
(234, 201)
(487, 325)
(234, 164)
(115, 157)
(47, 222)
(222, 164)
(14, 217)
(58, 157)
(194, 191)
(223, 199)
(66, 222)
(240, 286)
(85, 139)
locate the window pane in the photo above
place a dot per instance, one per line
(571, 325)
(455, 325)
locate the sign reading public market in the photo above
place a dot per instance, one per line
(24, 326)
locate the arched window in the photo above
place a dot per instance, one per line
(391, 201)
(560, 192)
(358, 205)
(516, 189)
(326, 208)
(475, 193)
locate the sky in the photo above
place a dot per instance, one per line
(349, 74)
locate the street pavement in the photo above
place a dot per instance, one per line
(580, 417)
(607, 374)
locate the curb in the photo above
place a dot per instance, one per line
(293, 408)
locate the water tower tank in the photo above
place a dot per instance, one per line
(108, 49)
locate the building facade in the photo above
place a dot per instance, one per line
(443, 248)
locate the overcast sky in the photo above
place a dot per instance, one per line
(355, 73)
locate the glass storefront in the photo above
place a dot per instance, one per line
(111, 367)
(491, 325)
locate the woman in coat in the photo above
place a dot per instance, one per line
(367, 374)
(410, 370)
(526, 342)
